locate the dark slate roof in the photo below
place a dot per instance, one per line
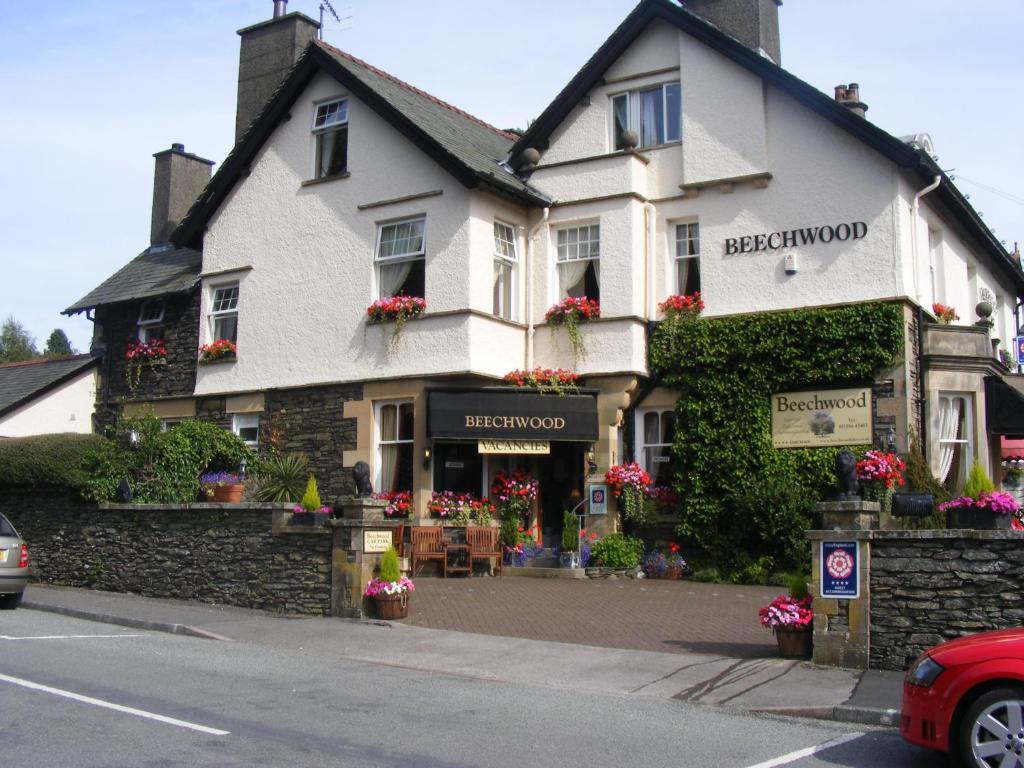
(466, 147)
(896, 150)
(148, 274)
(21, 383)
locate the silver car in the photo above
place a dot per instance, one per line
(13, 565)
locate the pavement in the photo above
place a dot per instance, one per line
(698, 643)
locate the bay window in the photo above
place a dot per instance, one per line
(400, 258)
(579, 262)
(505, 260)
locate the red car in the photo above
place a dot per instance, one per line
(966, 698)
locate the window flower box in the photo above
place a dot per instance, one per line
(571, 312)
(396, 309)
(220, 350)
(682, 306)
(556, 380)
(143, 354)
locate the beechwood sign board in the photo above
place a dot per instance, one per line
(821, 418)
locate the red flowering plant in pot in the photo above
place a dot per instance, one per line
(512, 494)
(631, 485)
(142, 354)
(572, 312)
(556, 380)
(396, 309)
(879, 473)
(399, 503)
(791, 620)
(460, 508)
(679, 307)
(221, 349)
(946, 315)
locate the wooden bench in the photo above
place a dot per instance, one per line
(426, 545)
(485, 544)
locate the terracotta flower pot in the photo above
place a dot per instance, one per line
(391, 606)
(794, 642)
(228, 493)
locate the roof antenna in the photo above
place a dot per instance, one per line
(330, 9)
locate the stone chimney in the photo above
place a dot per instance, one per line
(179, 178)
(849, 97)
(755, 23)
(268, 52)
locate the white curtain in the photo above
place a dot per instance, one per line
(949, 422)
(392, 276)
(650, 118)
(570, 273)
(388, 453)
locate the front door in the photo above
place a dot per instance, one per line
(560, 475)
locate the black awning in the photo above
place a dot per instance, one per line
(511, 415)
(1004, 408)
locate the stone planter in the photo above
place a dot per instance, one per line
(231, 494)
(794, 642)
(391, 606)
(976, 518)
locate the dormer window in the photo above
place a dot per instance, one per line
(151, 321)
(654, 114)
(330, 127)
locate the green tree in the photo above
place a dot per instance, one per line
(16, 343)
(59, 345)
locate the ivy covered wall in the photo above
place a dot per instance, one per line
(746, 504)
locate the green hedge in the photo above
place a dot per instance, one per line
(46, 461)
(744, 503)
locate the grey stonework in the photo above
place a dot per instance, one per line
(215, 553)
(931, 586)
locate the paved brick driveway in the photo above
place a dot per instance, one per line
(649, 615)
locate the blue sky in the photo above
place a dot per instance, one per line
(90, 89)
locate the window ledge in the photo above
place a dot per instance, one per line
(219, 360)
(325, 179)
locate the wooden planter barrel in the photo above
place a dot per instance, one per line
(391, 606)
(794, 642)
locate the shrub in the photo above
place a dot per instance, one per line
(617, 551)
(281, 478)
(921, 480)
(798, 586)
(389, 565)
(46, 461)
(978, 481)
(311, 498)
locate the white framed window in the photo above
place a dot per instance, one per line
(246, 426)
(151, 321)
(166, 425)
(655, 433)
(224, 313)
(401, 258)
(395, 430)
(505, 261)
(687, 258)
(955, 432)
(654, 114)
(330, 128)
(579, 261)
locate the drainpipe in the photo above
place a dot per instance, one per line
(914, 208)
(530, 329)
(649, 212)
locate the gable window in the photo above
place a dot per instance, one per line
(151, 321)
(395, 423)
(330, 127)
(579, 261)
(956, 451)
(687, 258)
(246, 426)
(656, 431)
(401, 264)
(224, 313)
(654, 114)
(505, 260)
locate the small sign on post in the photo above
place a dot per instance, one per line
(1018, 343)
(599, 499)
(840, 569)
(375, 542)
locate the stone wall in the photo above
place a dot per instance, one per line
(931, 586)
(217, 553)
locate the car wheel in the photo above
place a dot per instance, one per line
(10, 602)
(992, 730)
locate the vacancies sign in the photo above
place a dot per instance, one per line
(791, 238)
(499, 417)
(823, 418)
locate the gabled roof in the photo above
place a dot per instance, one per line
(151, 273)
(20, 383)
(468, 148)
(900, 153)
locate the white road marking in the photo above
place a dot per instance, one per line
(65, 637)
(116, 707)
(802, 753)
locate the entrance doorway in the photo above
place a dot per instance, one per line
(561, 477)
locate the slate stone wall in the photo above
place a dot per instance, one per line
(931, 586)
(217, 553)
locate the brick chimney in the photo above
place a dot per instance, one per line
(268, 52)
(849, 97)
(755, 23)
(177, 181)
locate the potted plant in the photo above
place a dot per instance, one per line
(556, 380)
(945, 315)
(142, 354)
(222, 486)
(389, 590)
(524, 547)
(879, 473)
(570, 554)
(460, 508)
(222, 349)
(981, 506)
(396, 309)
(682, 307)
(571, 312)
(631, 484)
(791, 620)
(399, 503)
(617, 552)
(513, 494)
(657, 565)
(309, 511)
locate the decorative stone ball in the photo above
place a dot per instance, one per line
(629, 139)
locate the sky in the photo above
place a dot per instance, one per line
(91, 89)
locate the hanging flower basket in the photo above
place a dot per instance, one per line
(143, 354)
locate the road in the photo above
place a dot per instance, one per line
(80, 693)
